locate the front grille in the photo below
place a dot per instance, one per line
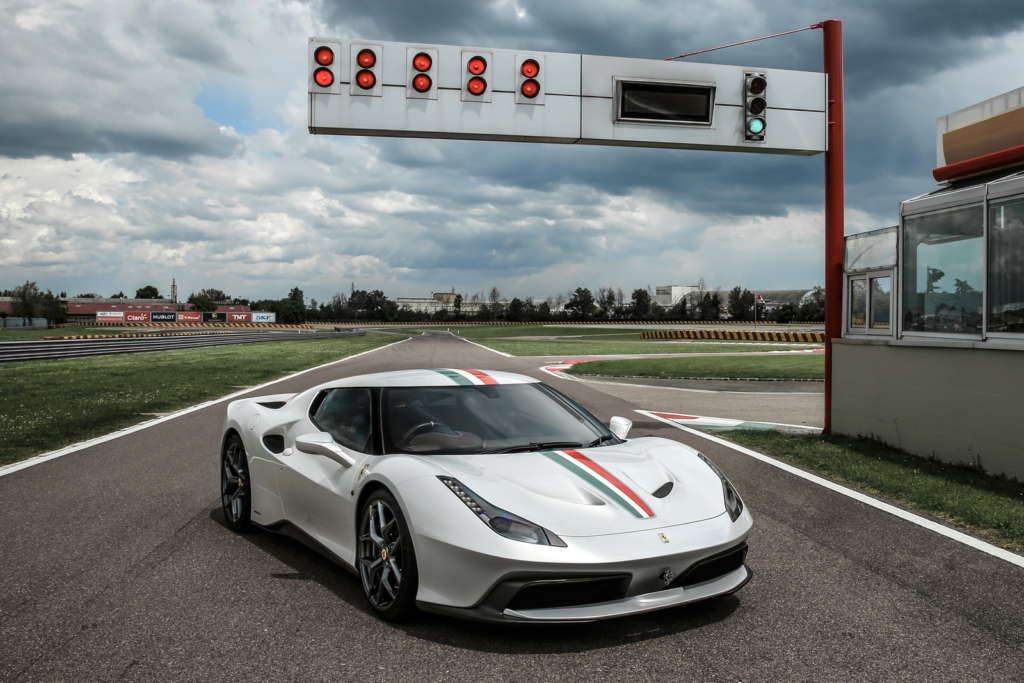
(569, 592)
(713, 567)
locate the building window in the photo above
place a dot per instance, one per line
(943, 271)
(858, 302)
(881, 302)
(1006, 266)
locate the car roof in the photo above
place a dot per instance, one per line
(432, 377)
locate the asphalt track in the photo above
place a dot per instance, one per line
(116, 566)
(74, 348)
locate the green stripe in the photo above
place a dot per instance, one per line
(453, 376)
(587, 476)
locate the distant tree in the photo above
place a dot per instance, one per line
(961, 287)
(934, 275)
(293, 307)
(28, 301)
(516, 310)
(53, 309)
(735, 303)
(641, 303)
(544, 310)
(119, 295)
(786, 313)
(710, 306)
(812, 307)
(678, 312)
(202, 302)
(458, 305)
(87, 295)
(581, 304)
(147, 292)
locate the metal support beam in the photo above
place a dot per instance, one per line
(835, 202)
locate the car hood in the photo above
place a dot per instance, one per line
(644, 483)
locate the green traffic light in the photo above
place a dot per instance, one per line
(755, 126)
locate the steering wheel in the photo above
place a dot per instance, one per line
(417, 429)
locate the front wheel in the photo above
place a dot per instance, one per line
(386, 562)
(235, 485)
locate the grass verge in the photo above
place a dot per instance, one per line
(29, 335)
(991, 507)
(47, 404)
(802, 366)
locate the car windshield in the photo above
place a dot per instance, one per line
(497, 418)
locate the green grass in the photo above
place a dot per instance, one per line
(48, 404)
(992, 507)
(29, 335)
(803, 366)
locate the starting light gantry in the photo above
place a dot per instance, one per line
(359, 87)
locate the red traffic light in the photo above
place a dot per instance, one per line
(530, 88)
(324, 56)
(476, 85)
(365, 79)
(323, 77)
(530, 68)
(366, 58)
(757, 85)
(421, 83)
(476, 66)
(422, 62)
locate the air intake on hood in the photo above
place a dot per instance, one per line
(663, 490)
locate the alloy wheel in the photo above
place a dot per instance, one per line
(380, 554)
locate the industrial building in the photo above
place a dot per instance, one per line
(932, 354)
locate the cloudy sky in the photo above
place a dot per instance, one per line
(145, 140)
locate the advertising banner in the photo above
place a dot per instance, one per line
(162, 316)
(261, 317)
(136, 317)
(239, 317)
(214, 316)
(110, 315)
(189, 317)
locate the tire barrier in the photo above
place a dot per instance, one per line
(748, 335)
(135, 335)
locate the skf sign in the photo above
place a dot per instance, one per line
(472, 93)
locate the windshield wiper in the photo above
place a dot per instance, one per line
(600, 440)
(536, 446)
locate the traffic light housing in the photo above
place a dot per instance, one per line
(477, 66)
(755, 106)
(530, 75)
(421, 73)
(366, 70)
(325, 67)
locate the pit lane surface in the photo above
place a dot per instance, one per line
(116, 566)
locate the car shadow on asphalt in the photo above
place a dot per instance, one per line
(310, 565)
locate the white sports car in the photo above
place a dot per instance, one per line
(483, 494)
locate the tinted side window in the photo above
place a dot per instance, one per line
(345, 414)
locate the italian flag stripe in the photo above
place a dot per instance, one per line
(482, 376)
(613, 480)
(590, 476)
(453, 376)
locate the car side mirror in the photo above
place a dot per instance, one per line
(620, 426)
(322, 443)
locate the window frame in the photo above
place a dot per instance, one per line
(944, 203)
(375, 435)
(866, 276)
(1001, 199)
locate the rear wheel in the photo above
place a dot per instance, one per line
(235, 485)
(386, 562)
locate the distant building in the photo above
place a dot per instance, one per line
(668, 296)
(440, 301)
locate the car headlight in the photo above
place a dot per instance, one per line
(733, 503)
(500, 521)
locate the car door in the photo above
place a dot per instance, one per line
(317, 491)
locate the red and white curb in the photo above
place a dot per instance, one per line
(713, 423)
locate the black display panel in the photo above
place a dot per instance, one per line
(666, 102)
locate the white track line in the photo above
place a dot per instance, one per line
(51, 455)
(562, 375)
(500, 353)
(941, 529)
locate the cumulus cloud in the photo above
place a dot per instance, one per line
(151, 140)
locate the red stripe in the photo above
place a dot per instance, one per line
(611, 479)
(482, 376)
(676, 416)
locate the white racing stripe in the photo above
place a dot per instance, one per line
(51, 455)
(941, 529)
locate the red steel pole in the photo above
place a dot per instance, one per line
(835, 203)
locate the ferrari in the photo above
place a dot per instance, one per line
(483, 494)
